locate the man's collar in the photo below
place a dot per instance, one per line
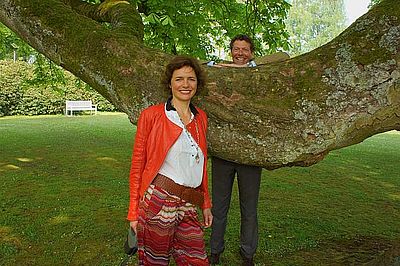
(170, 107)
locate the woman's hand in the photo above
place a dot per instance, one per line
(207, 217)
(133, 224)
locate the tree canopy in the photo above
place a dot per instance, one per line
(197, 27)
(285, 113)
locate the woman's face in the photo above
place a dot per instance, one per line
(183, 84)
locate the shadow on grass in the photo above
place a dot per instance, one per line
(367, 251)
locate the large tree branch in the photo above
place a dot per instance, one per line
(122, 16)
(286, 113)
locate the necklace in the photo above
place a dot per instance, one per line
(192, 141)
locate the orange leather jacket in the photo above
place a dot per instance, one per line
(155, 135)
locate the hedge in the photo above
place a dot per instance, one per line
(19, 97)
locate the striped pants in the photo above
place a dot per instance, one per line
(169, 227)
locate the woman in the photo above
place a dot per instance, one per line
(168, 176)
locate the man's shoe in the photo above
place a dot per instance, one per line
(246, 261)
(213, 259)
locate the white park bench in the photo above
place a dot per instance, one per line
(71, 106)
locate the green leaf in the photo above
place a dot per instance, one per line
(153, 18)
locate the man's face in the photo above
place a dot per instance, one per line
(241, 52)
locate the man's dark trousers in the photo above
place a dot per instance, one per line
(249, 178)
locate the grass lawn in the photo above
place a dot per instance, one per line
(64, 197)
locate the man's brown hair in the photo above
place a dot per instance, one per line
(242, 37)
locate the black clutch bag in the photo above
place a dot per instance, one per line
(130, 245)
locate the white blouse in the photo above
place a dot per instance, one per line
(180, 164)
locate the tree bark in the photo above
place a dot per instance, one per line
(278, 114)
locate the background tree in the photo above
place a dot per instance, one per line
(11, 46)
(45, 71)
(312, 23)
(287, 113)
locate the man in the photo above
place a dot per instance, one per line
(223, 175)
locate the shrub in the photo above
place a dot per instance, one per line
(11, 80)
(20, 96)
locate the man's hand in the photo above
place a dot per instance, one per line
(207, 217)
(231, 65)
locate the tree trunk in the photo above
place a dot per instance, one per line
(278, 114)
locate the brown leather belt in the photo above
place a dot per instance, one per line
(188, 194)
